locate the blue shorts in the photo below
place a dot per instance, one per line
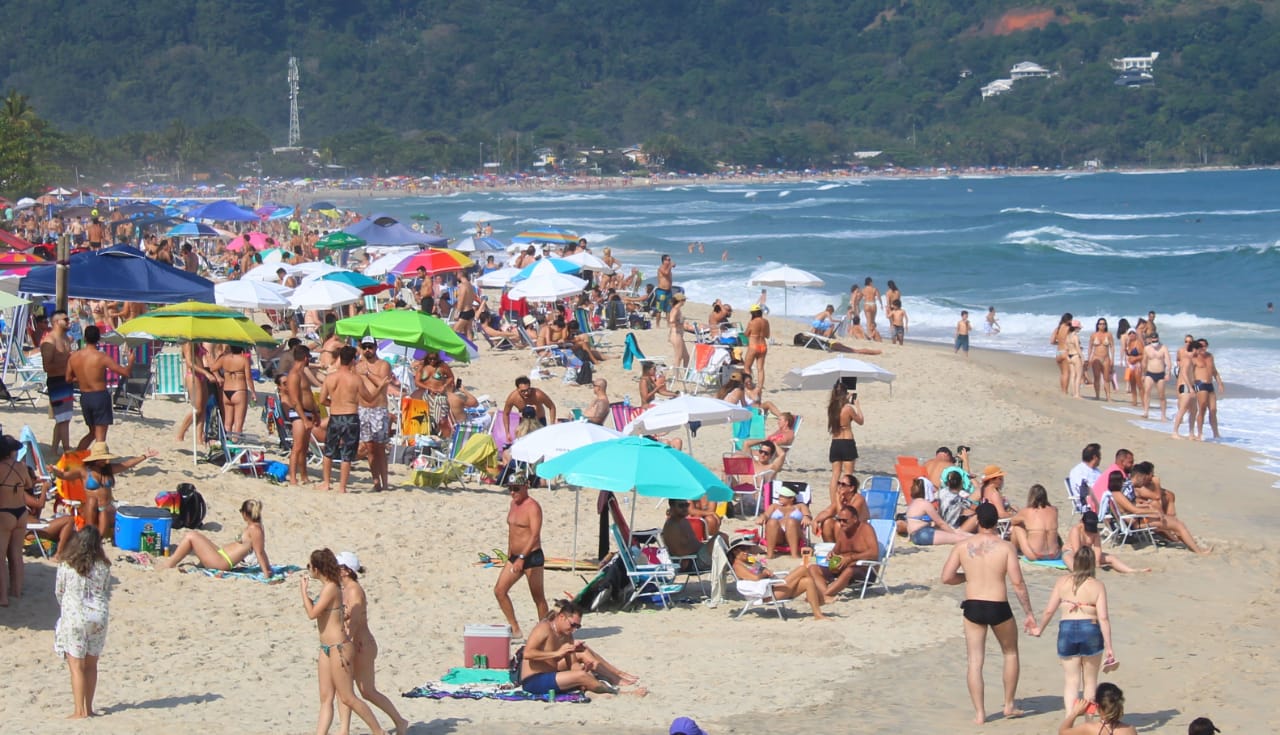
(922, 536)
(1079, 638)
(539, 684)
(962, 342)
(662, 300)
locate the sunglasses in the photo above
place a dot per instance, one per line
(575, 626)
(842, 483)
(844, 520)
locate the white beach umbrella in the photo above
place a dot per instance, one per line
(684, 410)
(589, 262)
(250, 294)
(320, 295)
(388, 261)
(311, 268)
(552, 441)
(268, 272)
(823, 375)
(545, 283)
(497, 279)
(786, 277)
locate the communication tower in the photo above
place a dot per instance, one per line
(295, 131)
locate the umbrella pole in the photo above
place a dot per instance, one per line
(635, 499)
(573, 563)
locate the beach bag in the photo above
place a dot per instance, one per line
(278, 471)
(517, 662)
(191, 507)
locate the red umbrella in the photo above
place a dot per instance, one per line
(435, 260)
(18, 264)
(13, 241)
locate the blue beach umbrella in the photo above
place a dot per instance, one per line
(560, 264)
(191, 229)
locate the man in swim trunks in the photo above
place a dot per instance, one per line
(1156, 360)
(963, 327)
(88, 367)
(662, 295)
(985, 564)
(757, 343)
(1204, 376)
(55, 351)
(855, 541)
(525, 395)
(524, 553)
(375, 420)
(553, 660)
(301, 412)
(898, 320)
(342, 392)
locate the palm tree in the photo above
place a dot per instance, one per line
(18, 109)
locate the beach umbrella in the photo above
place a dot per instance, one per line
(411, 329)
(552, 235)
(281, 213)
(499, 278)
(130, 340)
(267, 272)
(24, 203)
(547, 284)
(480, 245)
(684, 410)
(251, 294)
(223, 211)
(787, 278)
(322, 206)
(339, 240)
(561, 265)
(552, 441)
(366, 284)
(823, 375)
(387, 262)
(434, 260)
(636, 465)
(324, 295)
(588, 262)
(8, 300)
(13, 241)
(192, 229)
(313, 267)
(78, 210)
(19, 264)
(275, 255)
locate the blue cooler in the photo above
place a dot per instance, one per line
(133, 520)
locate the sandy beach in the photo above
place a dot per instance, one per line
(232, 656)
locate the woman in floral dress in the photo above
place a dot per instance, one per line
(83, 591)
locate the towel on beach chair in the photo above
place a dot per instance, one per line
(1050, 563)
(484, 684)
(279, 572)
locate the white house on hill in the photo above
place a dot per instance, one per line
(1027, 70)
(998, 87)
(1136, 63)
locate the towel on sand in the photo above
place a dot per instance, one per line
(1050, 563)
(462, 683)
(279, 572)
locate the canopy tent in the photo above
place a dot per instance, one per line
(223, 211)
(381, 229)
(122, 273)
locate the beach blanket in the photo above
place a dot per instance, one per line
(279, 571)
(462, 683)
(1049, 563)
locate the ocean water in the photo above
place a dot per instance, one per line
(1201, 249)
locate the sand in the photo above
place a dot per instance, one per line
(231, 656)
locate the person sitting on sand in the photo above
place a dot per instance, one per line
(1084, 633)
(252, 541)
(1109, 709)
(956, 506)
(1085, 533)
(925, 526)
(680, 540)
(755, 573)
(855, 541)
(1034, 529)
(846, 494)
(993, 491)
(1171, 527)
(554, 661)
(787, 518)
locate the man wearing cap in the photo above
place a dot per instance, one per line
(757, 343)
(88, 367)
(1201, 726)
(342, 392)
(375, 420)
(855, 541)
(985, 564)
(524, 553)
(1085, 533)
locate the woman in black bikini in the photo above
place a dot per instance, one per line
(356, 606)
(237, 388)
(843, 411)
(334, 665)
(1110, 708)
(15, 482)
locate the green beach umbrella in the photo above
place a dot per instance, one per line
(339, 241)
(407, 329)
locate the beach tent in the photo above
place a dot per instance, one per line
(381, 229)
(223, 211)
(122, 273)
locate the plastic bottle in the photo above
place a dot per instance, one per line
(626, 401)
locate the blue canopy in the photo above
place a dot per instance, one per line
(381, 229)
(121, 273)
(223, 211)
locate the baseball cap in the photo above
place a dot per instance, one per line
(685, 726)
(368, 340)
(349, 560)
(1090, 521)
(756, 307)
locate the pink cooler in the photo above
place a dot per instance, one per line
(491, 641)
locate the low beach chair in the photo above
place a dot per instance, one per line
(886, 532)
(882, 503)
(742, 468)
(170, 375)
(647, 580)
(233, 451)
(623, 414)
(814, 340)
(24, 390)
(752, 428)
(130, 393)
(757, 595)
(1118, 527)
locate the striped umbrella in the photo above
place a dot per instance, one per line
(553, 235)
(434, 260)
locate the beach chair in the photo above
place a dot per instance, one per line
(813, 340)
(170, 375)
(1118, 527)
(752, 428)
(471, 454)
(276, 423)
(233, 451)
(886, 531)
(907, 474)
(545, 359)
(1073, 500)
(623, 414)
(29, 454)
(131, 393)
(647, 580)
(693, 570)
(501, 343)
(907, 460)
(757, 595)
(499, 428)
(882, 504)
(24, 390)
(598, 338)
(70, 493)
(743, 467)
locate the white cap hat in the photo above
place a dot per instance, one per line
(349, 560)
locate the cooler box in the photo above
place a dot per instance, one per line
(133, 520)
(821, 552)
(491, 641)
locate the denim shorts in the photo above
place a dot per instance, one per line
(1079, 638)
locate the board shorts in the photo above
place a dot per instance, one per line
(95, 407)
(343, 439)
(662, 300)
(61, 398)
(375, 425)
(962, 342)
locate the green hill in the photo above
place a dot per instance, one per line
(396, 85)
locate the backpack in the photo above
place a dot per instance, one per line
(517, 661)
(191, 507)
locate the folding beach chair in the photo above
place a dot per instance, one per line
(130, 393)
(882, 503)
(757, 594)
(170, 375)
(647, 580)
(233, 451)
(24, 391)
(752, 428)
(886, 532)
(623, 414)
(1118, 527)
(743, 468)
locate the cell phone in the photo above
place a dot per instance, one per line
(457, 385)
(853, 396)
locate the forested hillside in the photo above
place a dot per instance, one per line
(419, 86)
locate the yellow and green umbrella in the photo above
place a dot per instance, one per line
(195, 321)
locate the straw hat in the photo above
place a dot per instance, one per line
(991, 472)
(99, 452)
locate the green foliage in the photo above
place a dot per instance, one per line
(393, 85)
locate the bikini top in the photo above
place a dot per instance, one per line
(91, 482)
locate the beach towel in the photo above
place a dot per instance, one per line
(1049, 563)
(702, 355)
(280, 571)
(631, 351)
(485, 684)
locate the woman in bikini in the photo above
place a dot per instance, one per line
(1084, 633)
(925, 526)
(198, 379)
(237, 387)
(1133, 356)
(1110, 708)
(433, 380)
(335, 662)
(253, 540)
(785, 518)
(1075, 361)
(15, 482)
(653, 385)
(1059, 340)
(366, 648)
(1101, 345)
(98, 470)
(843, 411)
(1034, 529)
(675, 320)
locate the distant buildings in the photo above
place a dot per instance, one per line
(1020, 70)
(996, 88)
(1135, 71)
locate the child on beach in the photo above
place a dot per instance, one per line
(898, 320)
(963, 327)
